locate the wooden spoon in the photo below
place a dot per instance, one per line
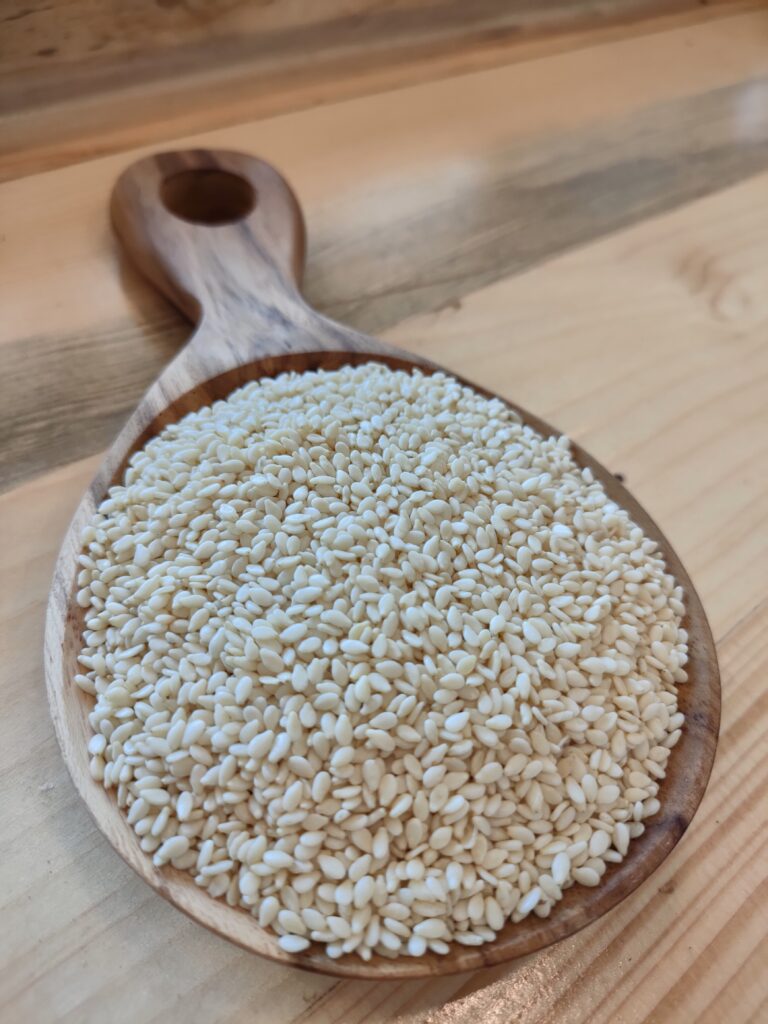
(222, 236)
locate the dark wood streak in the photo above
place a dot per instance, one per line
(262, 259)
(539, 198)
(533, 202)
(64, 396)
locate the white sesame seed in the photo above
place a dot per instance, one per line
(277, 859)
(529, 901)
(561, 868)
(586, 876)
(293, 943)
(491, 772)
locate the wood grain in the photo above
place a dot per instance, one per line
(222, 235)
(84, 78)
(647, 344)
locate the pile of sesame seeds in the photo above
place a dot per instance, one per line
(376, 661)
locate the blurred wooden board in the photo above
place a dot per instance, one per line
(81, 78)
(604, 261)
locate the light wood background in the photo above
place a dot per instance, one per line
(584, 230)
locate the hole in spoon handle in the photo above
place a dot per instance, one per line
(208, 197)
(221, 234)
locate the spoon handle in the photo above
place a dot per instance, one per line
(220, 234)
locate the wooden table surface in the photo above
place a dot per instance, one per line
(583, 229)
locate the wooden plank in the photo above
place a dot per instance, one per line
(429, 210)
(678, 299)
(85, 78)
